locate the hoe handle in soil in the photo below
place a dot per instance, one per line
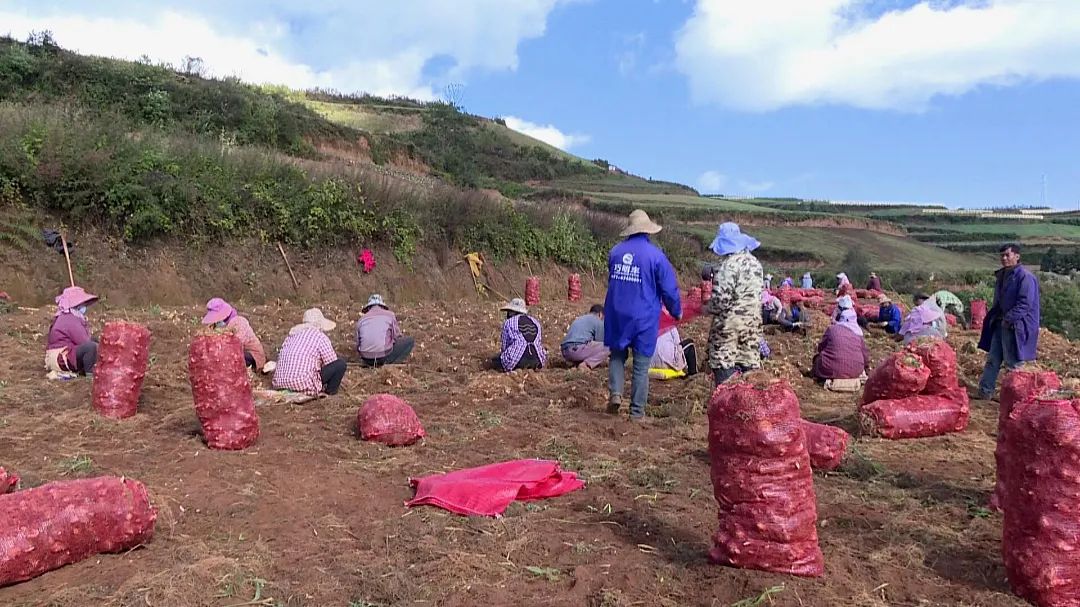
(67, 258)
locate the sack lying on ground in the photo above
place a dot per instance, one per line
(1018, 387)
(916, 416)
(900, 375)
(60, 523)
(1040, 529)
(8, 481)
(827, 445)
(123, 356)
(222, 392)
(386, 419)
(762, 481)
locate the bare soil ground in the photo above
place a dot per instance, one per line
(312, 516)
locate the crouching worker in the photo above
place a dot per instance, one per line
(924, 320)
(674, 357)
(520, 342)
(221, 315)
(307, 362)
(842, 357)
(69, 349)
(889, 315)
(793, 317)
(378, 337)
(584, 341)
(951, 304)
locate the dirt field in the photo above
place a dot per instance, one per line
(312, 516)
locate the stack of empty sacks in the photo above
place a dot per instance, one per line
(915, 393)
(762, 482)
(1039, 489)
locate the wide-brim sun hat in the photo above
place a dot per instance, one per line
(730, 239)
(315, 317)
(639, 223)
(884, 299)
(73, 297)
(845, 303)
(375, 300)
(516, 305)
(217, 310)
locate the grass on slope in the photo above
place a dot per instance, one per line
(1023, 230)
(524, 140)
(829, 246)
(367, 118)
(661, 201)
(608, 182)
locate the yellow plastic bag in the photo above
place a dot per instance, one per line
(665, 374)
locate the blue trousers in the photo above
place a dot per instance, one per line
(1002, 350)
(639, 382)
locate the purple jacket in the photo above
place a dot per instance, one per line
(68, 331)
(1016, 303)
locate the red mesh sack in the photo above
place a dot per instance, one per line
(950, 319)
(978, 314)
(60, 523)
(123, 355)
(940, 358)
(1040, 529)
(706, 291)
(8, 481)
(386, 419)
(1018, 387)
(762, 481)
(222, 392)
(900, 375)
(573, 287)
(827, 445)
(916, 416)
(532, 290)
(695, 294)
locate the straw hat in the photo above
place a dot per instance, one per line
(884, 299)
(315, 317)
(516, 305)
(639, 223)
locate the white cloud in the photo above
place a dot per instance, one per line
(712, 182)
(715, 182)
(378, 47)
(769, 54)
(548, 133)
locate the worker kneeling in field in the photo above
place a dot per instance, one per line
(584, 341)
(842, 355)
(520, 342)
(889, 316)
(735, 335)
(379, 340)
(222, 316)
(793, 316)
(924, 320)
(951, 304)
(771, 306)
(674, 356)
(70, 350)
(307, 362)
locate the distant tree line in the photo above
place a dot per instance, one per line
(1060, 262)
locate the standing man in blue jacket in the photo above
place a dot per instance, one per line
(1010, 333)
(640, 277)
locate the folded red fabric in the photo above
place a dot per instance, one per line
(489, 490)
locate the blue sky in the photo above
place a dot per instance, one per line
(952, 101)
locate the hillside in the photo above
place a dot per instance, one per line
(149, 151)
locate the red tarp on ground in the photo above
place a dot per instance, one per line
(60, 523)
(488, 490)
(1040, 502)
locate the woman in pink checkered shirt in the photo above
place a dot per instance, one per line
(307, 362)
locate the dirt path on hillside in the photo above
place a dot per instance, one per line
(311, 516)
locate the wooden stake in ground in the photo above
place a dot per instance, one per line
(67, 258)
(280, 248)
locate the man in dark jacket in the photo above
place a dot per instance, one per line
(1010, 332)
(640, 277)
